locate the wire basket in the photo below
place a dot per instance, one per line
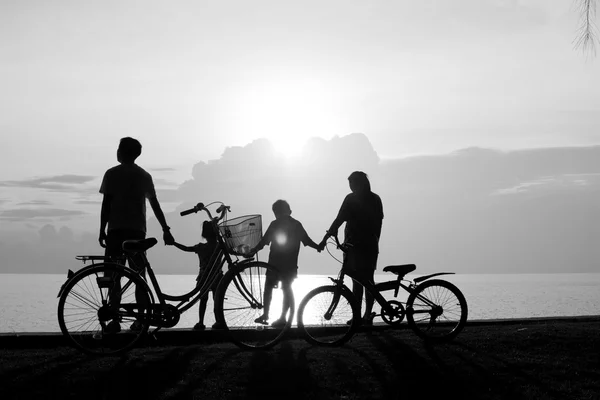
(242, 233)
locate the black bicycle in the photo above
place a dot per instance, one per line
(108, 290)
(436, 310)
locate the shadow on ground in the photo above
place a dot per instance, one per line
(538, 362)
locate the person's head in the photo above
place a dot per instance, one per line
(359, 182)
(281, 208)
(208, 232)
(129, 149)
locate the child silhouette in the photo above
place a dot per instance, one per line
(284, 236)
(205, 252)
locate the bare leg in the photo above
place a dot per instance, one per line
(357, 290)
(287, 295)
(267, 300)
(202, 309)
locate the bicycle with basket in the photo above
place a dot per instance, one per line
(108, 290)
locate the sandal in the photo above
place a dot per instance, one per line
(199, 327)
(279, 323)
(261, 320)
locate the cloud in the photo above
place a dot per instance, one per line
(164, 182)
(470, 211)
(559, 182)
(57, 182)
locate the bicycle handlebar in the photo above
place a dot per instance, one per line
(222, 209)
(344, 247)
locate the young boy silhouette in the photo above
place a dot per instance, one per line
(284, 236)
(205, 252)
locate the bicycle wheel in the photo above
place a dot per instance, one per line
(98, 306)
(319, 328)
(436, 311)
(240, 302)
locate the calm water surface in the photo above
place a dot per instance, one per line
(28, 302)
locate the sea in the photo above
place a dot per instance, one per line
(28, 302)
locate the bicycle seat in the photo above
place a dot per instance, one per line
(400, 269)
(136, 246)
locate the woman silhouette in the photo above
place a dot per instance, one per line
(362, 211)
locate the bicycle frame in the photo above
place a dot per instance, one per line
(375, 289)
(218, 259)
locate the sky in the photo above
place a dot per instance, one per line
(248, 102)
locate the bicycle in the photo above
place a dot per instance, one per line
(105, 291)
(436, 310)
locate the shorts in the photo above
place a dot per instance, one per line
(286, 276)
(114, 245)
(361, 264)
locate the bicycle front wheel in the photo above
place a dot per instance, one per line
(241, 306)
(328, 316)
(436, 311)
(98, 306)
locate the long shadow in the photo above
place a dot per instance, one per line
(44, 361)
(415, 376)
(279, 373)
(483, 369)
(173, 373)
(49, 378)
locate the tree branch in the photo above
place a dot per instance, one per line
(588, 32)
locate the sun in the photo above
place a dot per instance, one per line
(287, 113)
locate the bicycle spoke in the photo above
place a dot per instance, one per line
(438, 310)
(313, 321)
(241, 303)
(85, 301)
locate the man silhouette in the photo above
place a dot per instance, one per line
(125, 188)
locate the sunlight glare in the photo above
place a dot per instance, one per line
(287, 113)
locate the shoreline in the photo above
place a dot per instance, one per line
(185, 336)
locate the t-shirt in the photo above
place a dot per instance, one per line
(129, 186)
(363, 215)
(285, 235)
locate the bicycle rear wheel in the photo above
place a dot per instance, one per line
(240, 301)
(321, 328)
(97, 303)
(436, 311)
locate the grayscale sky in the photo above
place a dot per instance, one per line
(200, 83)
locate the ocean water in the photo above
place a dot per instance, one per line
(28, 302)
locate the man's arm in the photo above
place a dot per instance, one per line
(184, 248)
(160, 216)
(104, 216)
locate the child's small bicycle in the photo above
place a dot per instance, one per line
(108, 290)
(436, 310)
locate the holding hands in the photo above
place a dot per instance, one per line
(168, 237)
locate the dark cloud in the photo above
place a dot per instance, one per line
(35, 203)
(27, 214)
(55, 183)
(89, 202)
(166, 169)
